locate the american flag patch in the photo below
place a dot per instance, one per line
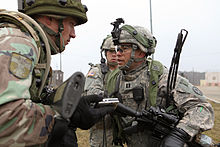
(91, 74)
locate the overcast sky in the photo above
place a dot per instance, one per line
(201, 51)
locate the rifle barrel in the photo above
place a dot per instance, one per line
(127, 110)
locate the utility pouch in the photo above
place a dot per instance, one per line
(138, 94)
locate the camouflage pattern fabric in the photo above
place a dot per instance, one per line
(96, 133)
(94, 81)
(143, 39)
(95, 85)
(22, 122)
(198, 113)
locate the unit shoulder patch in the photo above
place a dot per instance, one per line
(20, 66)
(197, 91)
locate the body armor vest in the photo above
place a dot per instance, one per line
(129, 83)
(139, 88)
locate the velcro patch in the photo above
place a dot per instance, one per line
(197, 91)
(20, 66)
(91, 74)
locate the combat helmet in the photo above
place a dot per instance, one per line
(140, 36)
(57, 8)
(107, 43)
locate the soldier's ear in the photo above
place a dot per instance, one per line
(141, 54)
(48, 20)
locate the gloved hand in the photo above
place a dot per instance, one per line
(84, 116)
(59, 130)
(177, 138)
(62, 135)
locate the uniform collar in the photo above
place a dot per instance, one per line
(133, 74)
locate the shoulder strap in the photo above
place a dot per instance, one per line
(156, 70)
(27, 23)
(13, 17)
(113, 81)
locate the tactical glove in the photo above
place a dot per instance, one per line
(85, 116)
(177, 138)
(70, 138)
(59, 130)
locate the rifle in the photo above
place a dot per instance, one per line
(160, 123)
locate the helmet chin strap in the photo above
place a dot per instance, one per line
(60, 29)
(112, 63)
(132, 58)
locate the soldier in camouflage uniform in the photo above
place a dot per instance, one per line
(135, 45)
(95, 84)
(25, 48)
(98, 73)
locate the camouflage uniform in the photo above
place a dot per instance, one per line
(23, 122)
(198, 114)
(94, 81)
(95, 84)
(21, 119)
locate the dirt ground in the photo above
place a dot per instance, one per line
(212, 92)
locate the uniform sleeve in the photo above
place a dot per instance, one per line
(198, 112)
(94, 81)
(22, 122)
(198, 115)
(18, 56)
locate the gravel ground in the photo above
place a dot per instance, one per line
(212, 92)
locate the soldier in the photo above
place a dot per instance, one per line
(138, 91)
(96, 80)
(26, 44)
